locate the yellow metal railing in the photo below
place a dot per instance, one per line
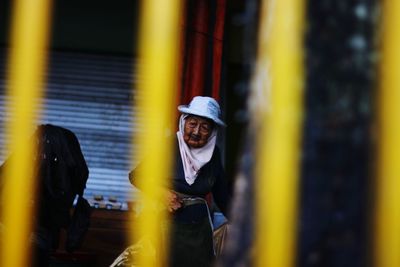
(158, 73)
(279, 79)
(387, 216)
(278, 85)
(27, 62)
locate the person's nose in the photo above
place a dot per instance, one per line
(196, 130)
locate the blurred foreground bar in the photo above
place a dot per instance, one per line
(387, 216)
(27, 63)
(278, 97)
(158, 73)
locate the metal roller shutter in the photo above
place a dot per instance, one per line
(91, 95)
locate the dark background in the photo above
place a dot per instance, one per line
(87, 26)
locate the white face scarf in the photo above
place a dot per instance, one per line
(194, 158)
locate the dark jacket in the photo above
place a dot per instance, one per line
(61, 176)
(211, 179)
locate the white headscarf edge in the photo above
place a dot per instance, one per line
(194, 158)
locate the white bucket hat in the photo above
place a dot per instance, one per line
(203, 106)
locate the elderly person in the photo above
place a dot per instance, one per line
(197, 172)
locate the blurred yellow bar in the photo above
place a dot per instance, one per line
(158, 74)
(27, 62)
(279, 77)
(387, 216)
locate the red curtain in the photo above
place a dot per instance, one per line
(202, 39)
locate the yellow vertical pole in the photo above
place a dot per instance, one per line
(27, 61)
(387, 215)
(158, 72)
(278, 82)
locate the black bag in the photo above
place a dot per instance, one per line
(79, 224)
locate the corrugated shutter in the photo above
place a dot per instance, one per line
(91, 95)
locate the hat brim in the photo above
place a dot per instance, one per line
(185, 109)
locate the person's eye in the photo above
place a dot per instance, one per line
(205, 127)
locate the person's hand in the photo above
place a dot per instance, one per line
(172, 201)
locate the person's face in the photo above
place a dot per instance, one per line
(197, 130)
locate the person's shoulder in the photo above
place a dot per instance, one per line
(217, 153)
